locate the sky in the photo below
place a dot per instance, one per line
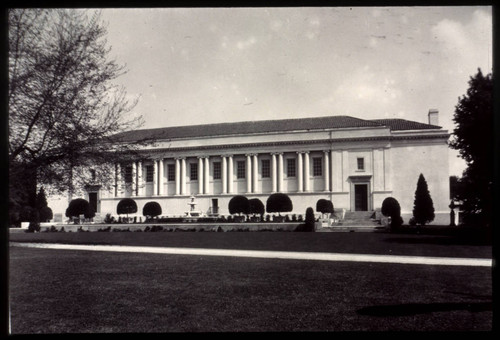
(212, 65)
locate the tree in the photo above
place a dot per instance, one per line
(324, 206)
(255, 206)
(63, 105)
(473, 136)
(392, 209)
(79, 206)
(126, 206)
(151, 209)
(45, 214)
(238, 205)
(279, 203)
(423, 207)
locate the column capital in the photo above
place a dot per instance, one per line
(276, 153)
(180, 158)
(326, 151)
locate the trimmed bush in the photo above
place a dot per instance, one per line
(324, 206)
(238, 205)
(392, 209)
(126, 206)
(423, 208)
(308, 226)
(255, 206)
(45, 214)
(151, 209)
(278, 203)
(78, 207)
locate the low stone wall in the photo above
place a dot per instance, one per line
(166, 227)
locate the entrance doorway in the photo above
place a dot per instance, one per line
(93, 201)
(361, 197)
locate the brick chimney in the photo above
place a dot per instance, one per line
(433, 117)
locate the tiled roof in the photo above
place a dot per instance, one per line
(403, 124)
(263, 126)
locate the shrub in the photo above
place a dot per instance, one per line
(34, 221)
(255, 206)
(278, 203)
(310, 220)
(109, 218)
(45, 214)
(126, 206)
(78, 207)
(423, 209)
(392, 209)
(324, 206)
(238, 205)
(151, 209)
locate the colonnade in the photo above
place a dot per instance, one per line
(227, 174)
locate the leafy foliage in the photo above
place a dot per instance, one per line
(324, 206)
(126, 206)
(238, 205)
(151, 209)
(63, 105)
(279, 203)
(255, 206)
(392, 209)
(79, 206)
(473, 136)
(423, 207)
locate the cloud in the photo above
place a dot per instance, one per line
(468, 44)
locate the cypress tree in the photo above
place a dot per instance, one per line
(423, 207)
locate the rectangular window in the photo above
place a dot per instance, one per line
(128, 174)
(217, 171)
(193, 171)
(317, 166)
(171, 172)
(361, 163)
(150, 173)
(290, 167)
(240, 169)
(266, 168)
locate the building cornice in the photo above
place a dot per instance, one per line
(443, 136)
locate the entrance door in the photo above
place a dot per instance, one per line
(361, 197)
(93, 201)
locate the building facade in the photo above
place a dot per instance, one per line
(355, 163)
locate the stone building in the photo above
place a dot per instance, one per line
(353, 162)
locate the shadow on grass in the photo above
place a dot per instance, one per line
(443, 236)
(424, 308)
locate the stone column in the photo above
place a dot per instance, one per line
(134, 180)
(326, 174)
(140, 183)
(306, 171)
(118, 181)
(160, 176)
(280, 172)
(273, 172)
(230, 174)
(183, 175)
(177, 176)
(224, 175)
(249, 173)
(201, 174)
(300, 173)
(255, 172)
(155, 177)
(207, 175)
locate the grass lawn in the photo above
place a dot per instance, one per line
(61, 291)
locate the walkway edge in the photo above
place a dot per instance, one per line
(401, 259)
